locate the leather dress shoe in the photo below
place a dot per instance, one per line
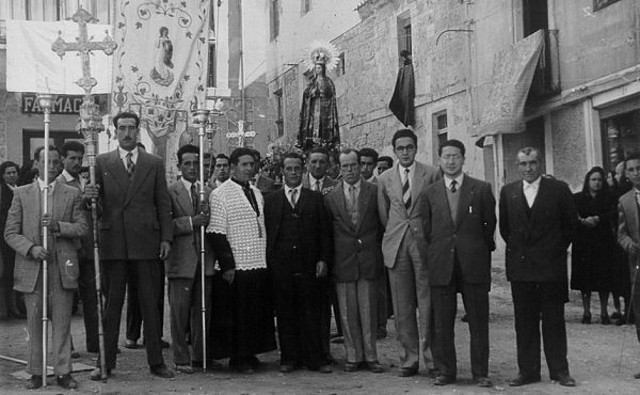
(96, 376)
(67, 382)
(131, 344)
(444, 380)
(407, 372)
(483, 382)
(524, 380)
(162, 371)
(287, 368)
(565, 379)
(187, 369)
(375, 367)
(352, 366)
(34, 382)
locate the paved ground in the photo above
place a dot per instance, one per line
(602, 359)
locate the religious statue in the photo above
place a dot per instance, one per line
(161, 72)
(319, 112)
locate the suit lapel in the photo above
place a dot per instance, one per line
(341, 203)
(184, 198)
(363, 202)
(34, 202)
(117, 170)
(143, 166)
(542, 191)
(441, 196)
(396, 183)
(418, 183)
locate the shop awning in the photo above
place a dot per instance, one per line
(513, 70)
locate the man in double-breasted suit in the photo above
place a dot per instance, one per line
(629, 233)
(23, 232)
(298, 255)
(459, 223)
(184, 266)
(400, 206)
(538, 219)
(357, 265)
(135, 231)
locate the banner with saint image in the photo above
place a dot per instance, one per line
(160, 66)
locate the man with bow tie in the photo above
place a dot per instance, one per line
(538, 219)
(298, 255)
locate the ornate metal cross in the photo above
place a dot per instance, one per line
(84, 45)
(241, 135)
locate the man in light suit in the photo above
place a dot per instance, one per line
(629, 233)
(357, 265)
(72, 155)
(538, 219)
(401, 209)
(184, 265)
(459, 223)
(135, 231)
(23, 232)
(298, 254)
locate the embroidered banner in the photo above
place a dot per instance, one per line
(160, 66)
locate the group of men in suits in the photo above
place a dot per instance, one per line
(298, 250)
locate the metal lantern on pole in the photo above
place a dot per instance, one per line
(46, 103)
(201, 118)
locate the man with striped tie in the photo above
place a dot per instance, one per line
(400, 197)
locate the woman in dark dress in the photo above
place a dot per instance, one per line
(593, 247)
(8, 303)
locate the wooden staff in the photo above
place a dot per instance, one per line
(202, 117)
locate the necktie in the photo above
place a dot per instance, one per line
(194, 198)
(453, 186)
(294, 198)
(317, 186)
(131, 167)
(406, 190)
(353, 202)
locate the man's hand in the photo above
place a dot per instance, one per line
(39, 253)
(321, 269)
(229, 275)
(49, 222)
(90, 192)
(199, 220)
(165, 248)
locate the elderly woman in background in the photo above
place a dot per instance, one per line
(8, 181)
(593, 247)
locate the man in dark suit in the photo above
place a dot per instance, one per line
(401, 209)
(629, 233)
(459, 223)
(298, 254)
(184, 265)
(537, 220)
(357, 266)
(66, 222)
(72, 155)
(135, 231)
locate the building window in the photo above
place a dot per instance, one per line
(621, 134)
(306, 6)
(440, 124)
(211, 72)
(275, 19)
(279, 115)
(404, 33)
(535, 16)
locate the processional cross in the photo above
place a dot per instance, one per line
(241, 134)
(90, 124)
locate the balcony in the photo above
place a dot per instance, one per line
(546, 80)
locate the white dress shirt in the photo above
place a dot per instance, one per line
(531, 190)
(288, 192)
(67, 176)
(123, 155)
(403, 173)
(448, 180)
(312, 183)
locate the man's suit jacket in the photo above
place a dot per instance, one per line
(264, 184)
(394, 216)
(629, 229)
(537, 238)
(85, 243)
(136, 212)
(357, 250)
(471, 236)
(314, 220)
(185, 250)
(23, 231)
(326, 186)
